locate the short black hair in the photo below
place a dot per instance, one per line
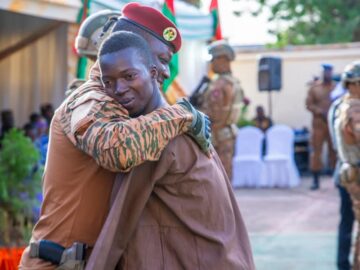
(122, 40)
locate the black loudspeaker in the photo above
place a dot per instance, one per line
(269, 78)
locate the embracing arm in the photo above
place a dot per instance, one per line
(119, 143)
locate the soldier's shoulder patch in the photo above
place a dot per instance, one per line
(81, 115)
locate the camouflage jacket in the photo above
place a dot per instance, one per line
(347, 130)
(222, 101)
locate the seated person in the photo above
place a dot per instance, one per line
(261, 120)
(179, 212)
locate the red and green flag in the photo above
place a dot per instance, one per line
(82, 62)
(214, 10)
(169, 11)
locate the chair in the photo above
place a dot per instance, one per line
(247, 163)
(280, 168)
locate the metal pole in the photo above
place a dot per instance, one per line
(270, 104)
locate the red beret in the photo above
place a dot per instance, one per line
(154, 22)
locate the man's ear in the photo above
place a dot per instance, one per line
(153, 72)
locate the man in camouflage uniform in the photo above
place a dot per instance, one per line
(222, 102)
(347, 138)
(92, 138)
(318, 102)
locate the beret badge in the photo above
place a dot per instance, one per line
(169, 33)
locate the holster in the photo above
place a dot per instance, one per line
(72, 258)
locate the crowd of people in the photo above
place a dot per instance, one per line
(37, 127)
(161, 173)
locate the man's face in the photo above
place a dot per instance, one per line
(260, 112)
(220, 64)
(327, 75)
(128, 80)
(354, 89)
(162, 55)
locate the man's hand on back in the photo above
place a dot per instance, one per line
(200, 128)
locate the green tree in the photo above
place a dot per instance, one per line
(314, 21)
(20, 181)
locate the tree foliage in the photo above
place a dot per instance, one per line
(20, 176)
(314, 21)
(20, 182)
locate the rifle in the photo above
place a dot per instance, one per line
(196, 99)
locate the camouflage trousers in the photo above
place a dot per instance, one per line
(354, 190)
(225, 150)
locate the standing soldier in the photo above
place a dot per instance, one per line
(318, 102)
(347, 138)
(222, 102)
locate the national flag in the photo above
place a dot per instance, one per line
(169, 11)
(214, 10)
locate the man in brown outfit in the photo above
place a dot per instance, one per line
(177, 213)
(222, 102)
(318, 103)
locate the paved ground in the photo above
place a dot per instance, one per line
(292, 229)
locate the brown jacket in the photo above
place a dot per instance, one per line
(177, 213)
(318, 101)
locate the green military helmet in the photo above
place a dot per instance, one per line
(221, 47)
(92, 32)
(351, 73)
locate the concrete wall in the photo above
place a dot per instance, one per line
(299, 65)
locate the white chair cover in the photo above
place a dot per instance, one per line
(247, 162)
(280, 168)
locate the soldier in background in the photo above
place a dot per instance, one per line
(222, 102)
(347, 139)
(347, 218)
(318, 102)
(261, 120)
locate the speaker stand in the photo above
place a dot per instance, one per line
(269, 104)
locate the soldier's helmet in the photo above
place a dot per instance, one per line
(93, 30)
(351, 73)
(221, 47)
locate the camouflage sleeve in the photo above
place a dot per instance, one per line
(118, 142)
(351, 128)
